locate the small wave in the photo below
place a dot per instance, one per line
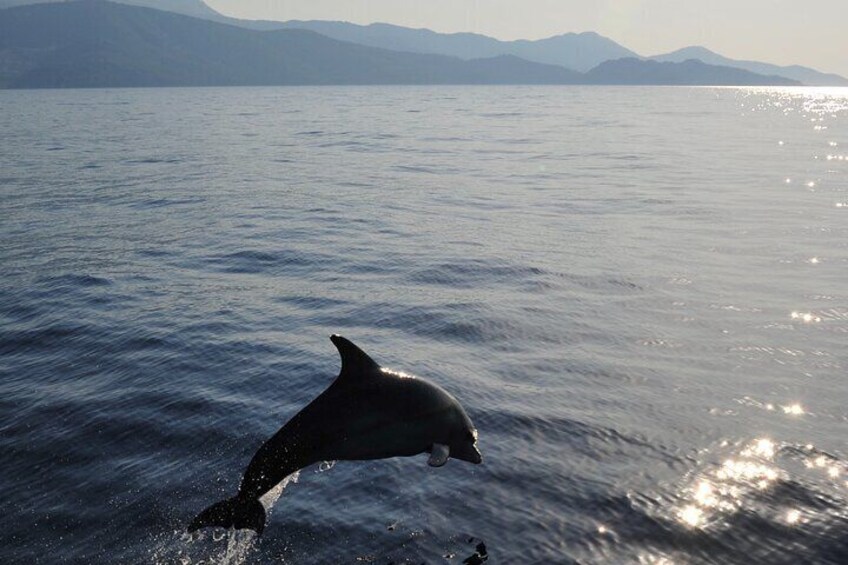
(594, 441)
(74, 280)
(155, 161)
(468, 274)
(311, 302)
(462, 322)
(41, 339)
(252, 261)
(425, 169)
(165, 202)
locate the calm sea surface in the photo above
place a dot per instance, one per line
(640, 295)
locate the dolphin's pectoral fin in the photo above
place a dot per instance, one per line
(438, 455)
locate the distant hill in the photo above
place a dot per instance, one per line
(802, 74)
(573, 51)
(93, 43)
(687, 73)
(579, 52)
(194, 8)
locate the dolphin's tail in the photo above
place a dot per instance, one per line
(236, 512)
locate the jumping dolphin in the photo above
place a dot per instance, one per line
(367, 413)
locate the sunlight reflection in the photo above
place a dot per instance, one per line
(692, 516)
(655, 559)
(806, 317)
(761, 448)
(727, 487)
(705, 495)
(793, 410)
(793, 516)
(399, 374)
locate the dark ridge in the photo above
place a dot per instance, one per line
(94, 43)
(688, 73)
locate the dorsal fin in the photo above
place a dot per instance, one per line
(356, 364)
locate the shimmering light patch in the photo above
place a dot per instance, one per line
(761, 448)
(806, 317)
(793, 516)
(788, 181)
(692, 516)
(602, 529)
(811, 184)
(814, 261)
(780, 143)
(740, 470)
(655, 560)
(793, 409)
(725, 489)
(705, 494)
(842, 204)
(833, 472)
(833, 144)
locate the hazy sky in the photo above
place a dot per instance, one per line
(807, 32)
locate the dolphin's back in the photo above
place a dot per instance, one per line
(382, 414)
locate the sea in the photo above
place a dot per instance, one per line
(639, 295)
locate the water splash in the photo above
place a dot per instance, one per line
(272, 496)
(218, 546)
(230, 547)
(240, 546)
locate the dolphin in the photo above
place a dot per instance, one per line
(367, 413)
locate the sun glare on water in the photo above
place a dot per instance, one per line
(725, 490)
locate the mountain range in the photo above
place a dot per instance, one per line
(87, 43)
(580, 52)
(804, 75)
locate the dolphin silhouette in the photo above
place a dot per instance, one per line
(367, 413)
